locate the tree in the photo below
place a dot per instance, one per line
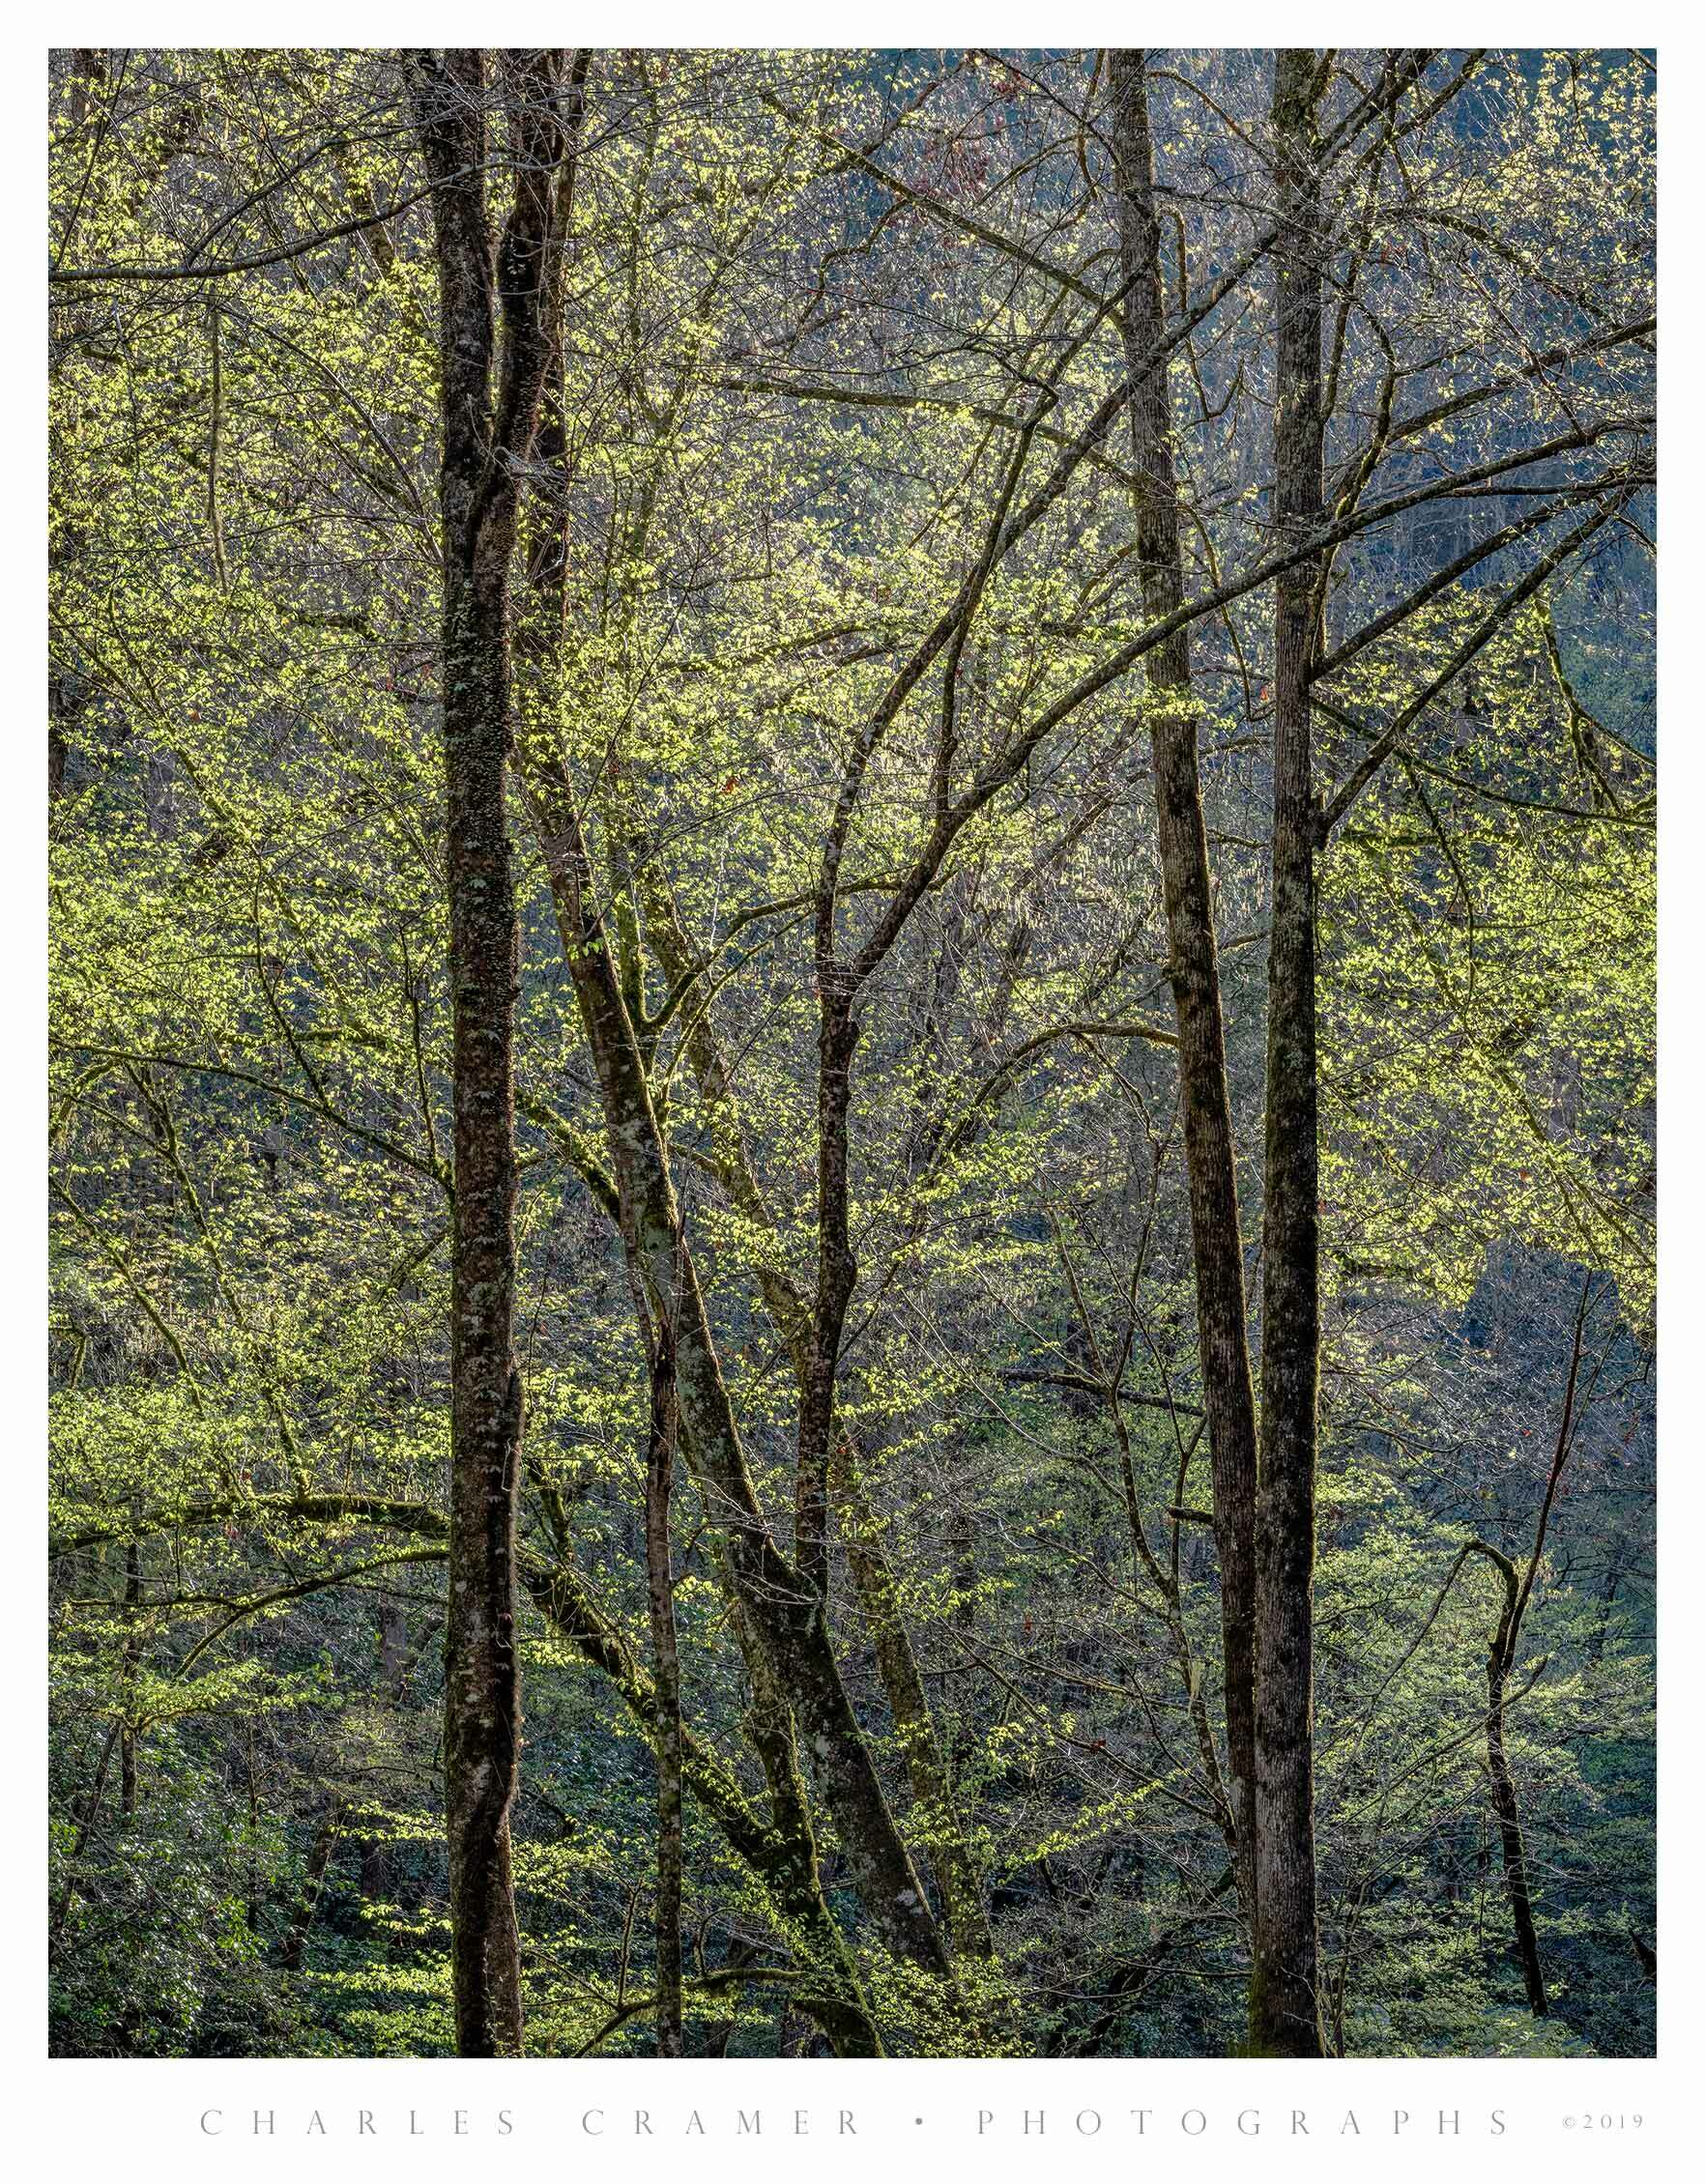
(1284, 2003)
(494, 315)
(1193, 962)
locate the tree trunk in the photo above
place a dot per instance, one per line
(1210, 1152)
(936, 1807)
(781, 1855)
(837, 1270)
(394, 1665)
(1509, 1818)
(313, 1883)
(873, 1578)
(1284, 2016)
(132, 1655)
(1500, 1658)
(482, 1699)
(766, 1595)
(786, 1610)
(67, 689)
(666, 1661)
(488, 431)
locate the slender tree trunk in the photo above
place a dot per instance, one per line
(1500, 1659)
(482, 1684)
(1508, 1810)
(873, 1578)
(780, 1853)
(313, 1883)
(665, 1656)
(1285, 2013)
(86, 1813)
(932, 1788)
(482, 1696)
(837, 1270)
(786, 1612)
(133, 1656)
(490, 398)
(1500, 1655)
(1209, 1151)
(671, 1313)
(67, 690)
(393, 1664)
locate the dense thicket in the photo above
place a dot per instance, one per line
(1025, 1334)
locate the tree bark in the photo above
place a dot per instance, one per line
(666, 1660)
(1193, 966)
(1508, 1810)
(132, 1655)
(837, 1270)
(1285, 2014)
(489, 396)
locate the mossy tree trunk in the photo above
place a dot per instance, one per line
(495, 308)
(1285, 2014)
(1193, 966)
